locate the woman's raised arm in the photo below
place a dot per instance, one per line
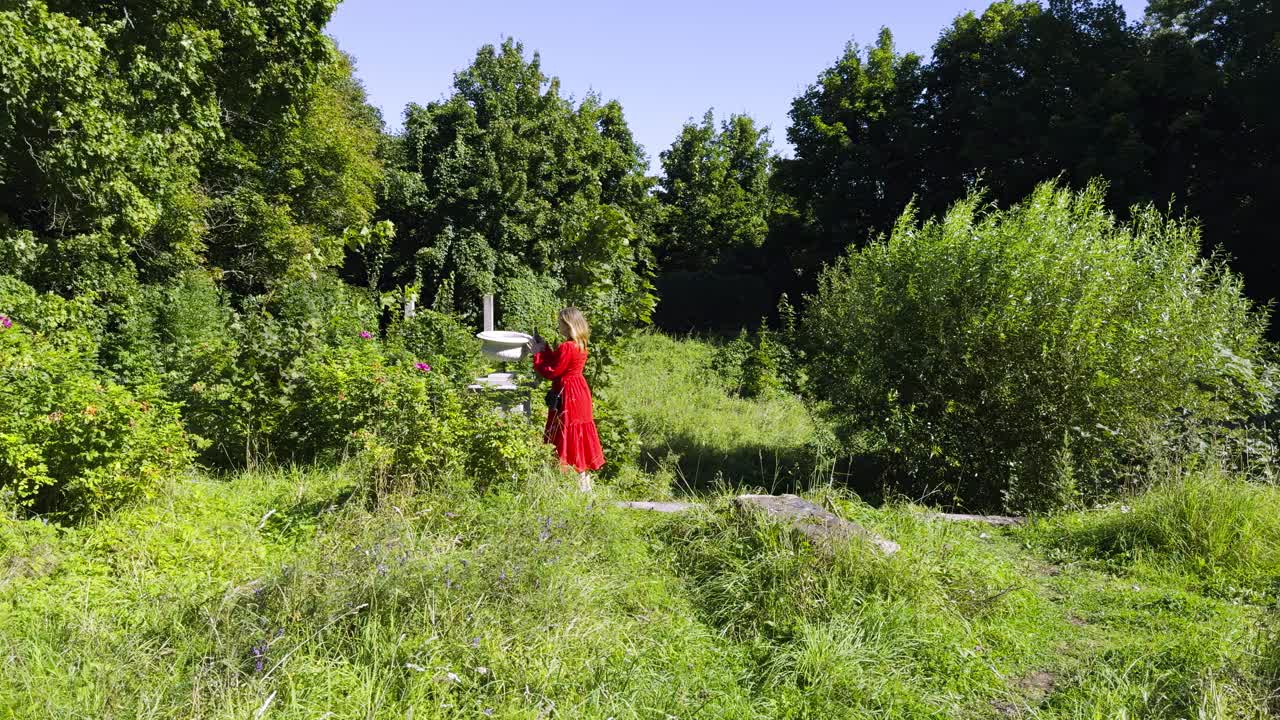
(551, 364)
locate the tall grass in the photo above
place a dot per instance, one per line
(1204, 522)
(693, 428)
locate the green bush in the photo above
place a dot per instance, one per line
(440, 340)
(618, 437)
(196, 352)
(72, 443)
(235, 370)
(756, 365)
(1033, 356)
(412, 422)
(730, 359)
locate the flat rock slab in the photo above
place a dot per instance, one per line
(999, 520)
(662, 507)
(817, 523)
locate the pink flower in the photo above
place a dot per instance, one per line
(366, 334)
(5, 322)
(422, 366)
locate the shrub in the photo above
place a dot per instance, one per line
(1032, 356)
(197, 349)
(618, 437)
(411, 420)
(440, 340)
(756, 365)
(72, 443)
(234, 371)
(730, 359)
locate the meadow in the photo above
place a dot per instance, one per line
(293, 593)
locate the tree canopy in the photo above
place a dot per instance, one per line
(714, 192)
(507, 184)
(1178, 112)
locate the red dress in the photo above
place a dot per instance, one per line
(572, 430)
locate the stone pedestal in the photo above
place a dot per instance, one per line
(510, 396)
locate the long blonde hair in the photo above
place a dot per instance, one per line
(579, 332)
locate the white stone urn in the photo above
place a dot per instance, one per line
(503, 345)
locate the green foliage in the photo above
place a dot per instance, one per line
(855, 151)
(760, 364)
(1228, 54)
(530, 303)
(297, 185)
(411, 420)
(72, 444)
(1036, 356)
(1178, 110)
(618, 437)
(507, 183)
(730, 359)
(714, 192)
(441, 341)
(110, 123)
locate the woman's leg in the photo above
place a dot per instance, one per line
(584, 481)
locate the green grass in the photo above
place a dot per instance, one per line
(692, 428)
(547, 603)
(288, 594)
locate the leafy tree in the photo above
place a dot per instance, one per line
(109, 113)
(1180, 111)
(281, 197)
(1024, 93)
(1238, 178)
(857, 150)
(506, 177)
(714, 191)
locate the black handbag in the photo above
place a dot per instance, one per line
(555, 400)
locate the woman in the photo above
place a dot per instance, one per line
(570, 426)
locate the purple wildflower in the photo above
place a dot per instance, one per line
(422, 366)
(365, 334)
(475, 642)
(5, 322)
(259, 657)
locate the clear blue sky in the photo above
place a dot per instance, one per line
(665, 60)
